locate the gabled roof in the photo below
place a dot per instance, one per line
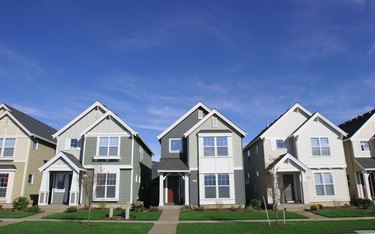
(366, 163)
(211, 113)
(312, 118)
(118, 119)
(69, 158)
(264, 131)
(282, 158)
(199, 104)
(97, 104)
(172, 164)
(354, 125)
(31, 126)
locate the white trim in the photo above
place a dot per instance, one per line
(109, 170)
(107, 134)
(237, 168)
(193, 169)
(333, 182)
(26, 168)
(103, 117)
(5, 107)
(170, 171)
(97, 156)
(54, 159)
(320, 116)
(120, 166)
(293, 159)
(176, 151)
(96, 104)
(360, 129)
(215, 134)
(325, 166)
(132, 172)
(217, 113)
(199, 104)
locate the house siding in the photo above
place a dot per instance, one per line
(194, 188)
(58, 198)
(125, 180)
(239, 187)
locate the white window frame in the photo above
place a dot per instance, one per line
(3, 147)
(320, 146)
(32, 179)
(7, 187)
(324, 184)
(170, 145)
(105, 186)
(368, 146)
(97, 156)
(210, 186)
(215, 146)
(216, 186)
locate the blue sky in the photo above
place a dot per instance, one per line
(150, 61)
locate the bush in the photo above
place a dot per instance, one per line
(20, 203)
(33, 209)
(185, 207)
(138, 206)
(363, 203)
(71, 209)
(199, 208)
(255, 204)
(316, 207)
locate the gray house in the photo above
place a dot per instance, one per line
(201, 160)
(98, 140)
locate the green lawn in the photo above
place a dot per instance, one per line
(305, 227)
(102, 214)
(45, 227)
(233, 215)
(14, 214)
(349, 212)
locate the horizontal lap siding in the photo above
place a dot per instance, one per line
(239, 187)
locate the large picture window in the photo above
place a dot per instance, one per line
(215, 146)
(216, 186)
(108, 146)
(175, 145)
(7, 147)
(3, 184)
(320, 146)
(106, 185)
(324, 185)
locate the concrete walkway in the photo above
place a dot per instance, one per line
(167, 223)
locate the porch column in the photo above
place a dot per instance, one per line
(44, 189)
(74, 189)
(161, 190)
(366, 184)
(186, 178)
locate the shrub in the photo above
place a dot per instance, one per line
(185, 207)
(363, 203)
(20, 203)
(156, 209)
(320, 206)
(199, 208)
(315, 206)
(71, 209)
(33, 209)
(138, 206)
(255, 204)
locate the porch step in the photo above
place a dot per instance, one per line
(294, 206)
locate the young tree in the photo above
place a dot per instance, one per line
(88, 186)
(275, 190)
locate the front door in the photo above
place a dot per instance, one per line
(288, 187)
(173, 188)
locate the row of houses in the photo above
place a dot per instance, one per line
(203, 160)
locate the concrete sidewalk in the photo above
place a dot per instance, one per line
(167, 223)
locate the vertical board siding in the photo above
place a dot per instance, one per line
(125, 180)
(239, 187)
(194, 188)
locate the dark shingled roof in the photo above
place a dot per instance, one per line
(155, 168)
(353, 125)
(34, 126)
(366, 163)
(73, 159)
(172, 164)
(7, 167)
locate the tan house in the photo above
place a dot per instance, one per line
(359, 146)
(25, 145)
(306, 153)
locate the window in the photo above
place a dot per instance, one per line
(248, 153)
(280, 144)
(215, 146)
(108, 146)
(34, 144)
(175, 145)
(30, 179)
(200, 114)
(106, 185)
(7, 147)
(210, 186)
(324, 184)
(140, 153)
(215, 123)
(320, 146)
(73, 143)
(257, 149)
(3, 184)
(216, 186)
(365, 146)
(60, 179)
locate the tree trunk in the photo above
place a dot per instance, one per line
(88, 219)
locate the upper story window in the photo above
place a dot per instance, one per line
(215, 146)
(365, 146)
(215, 122)
(175, 145)
(140, 153)
(200, 114)
(324, 185)
(73, 143)
(34, 144)
(108, 146)
(7, 147)
(280, 144)
(320, 146)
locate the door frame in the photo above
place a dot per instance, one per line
(176, 191)
(293, 186)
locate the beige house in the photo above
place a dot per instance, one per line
(25, 145)
(359, 146)
(306, 153)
